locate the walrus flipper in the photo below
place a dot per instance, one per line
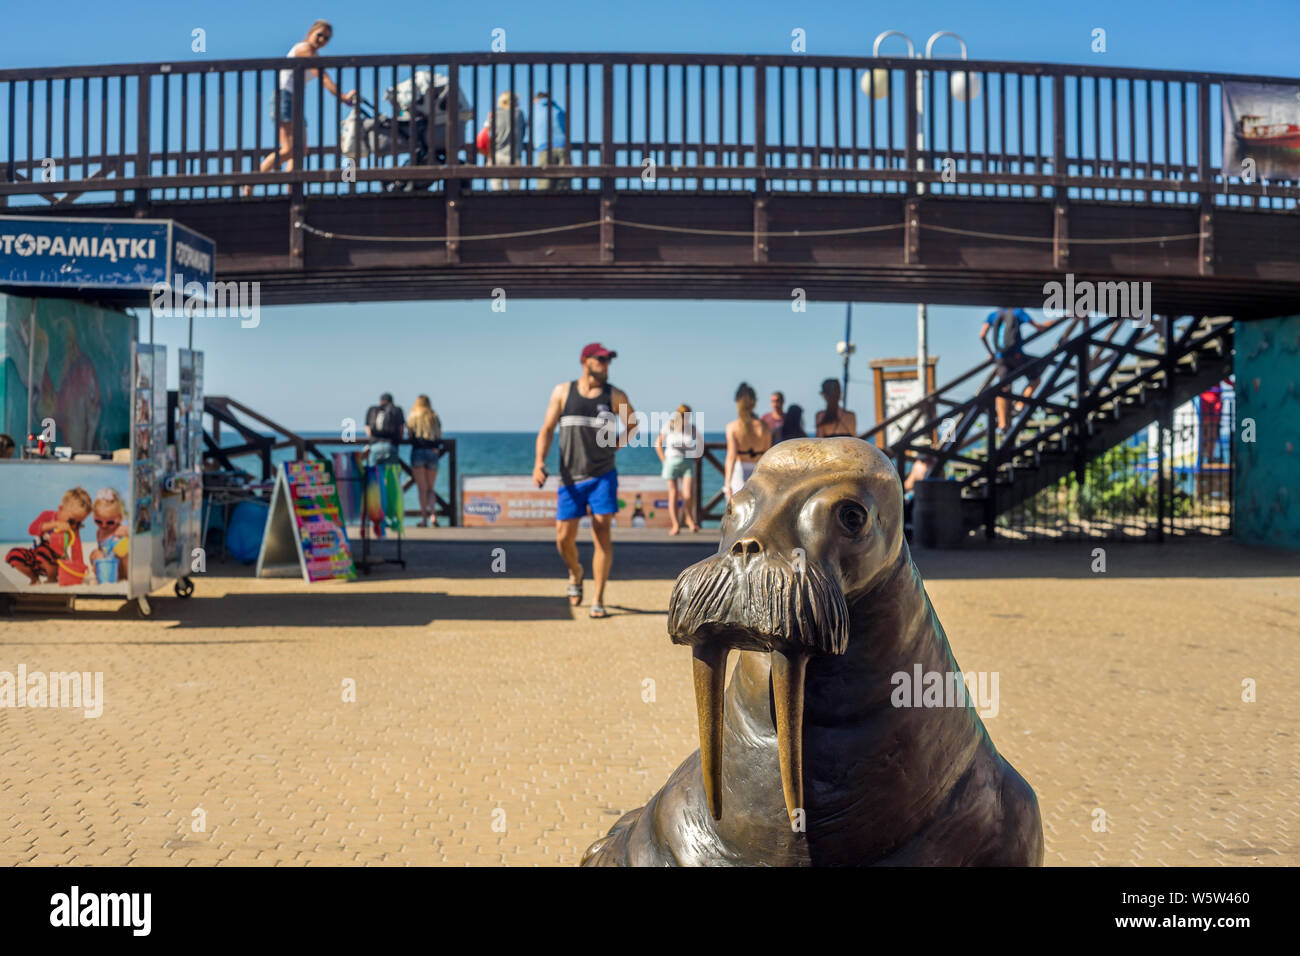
(1022, 824)
(672, 829)
(611, 849)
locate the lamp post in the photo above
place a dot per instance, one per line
(846, 348)
(962, 88)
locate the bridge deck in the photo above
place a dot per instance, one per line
(694, 176)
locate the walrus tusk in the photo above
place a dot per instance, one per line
(788, 672)
(710, 661)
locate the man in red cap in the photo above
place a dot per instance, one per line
(588, 411)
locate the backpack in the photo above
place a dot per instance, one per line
(386, 422)
(1006, 332)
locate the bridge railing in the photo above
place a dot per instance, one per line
(207, 129)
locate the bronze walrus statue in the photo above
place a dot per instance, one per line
(809, 760)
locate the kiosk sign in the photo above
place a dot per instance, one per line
(123, 254)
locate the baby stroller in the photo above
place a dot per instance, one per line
(362, 133)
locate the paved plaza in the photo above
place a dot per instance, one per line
(494, 725)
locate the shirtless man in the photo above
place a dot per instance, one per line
(833, 420)
(588, 411)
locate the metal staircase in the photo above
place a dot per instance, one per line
(1102, 381)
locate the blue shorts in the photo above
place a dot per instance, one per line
(600, 493)
(282, 106)
(424, 458)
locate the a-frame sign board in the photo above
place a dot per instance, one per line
(304, 531)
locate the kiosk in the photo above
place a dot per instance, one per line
(102, 494)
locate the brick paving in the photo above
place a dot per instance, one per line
(492, 725)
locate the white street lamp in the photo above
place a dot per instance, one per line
(876, 84)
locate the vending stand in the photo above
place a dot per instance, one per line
(102, 495)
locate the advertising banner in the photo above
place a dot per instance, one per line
(514, 501)
(1261, 130)
(69, 361)
(103, 253)
(150, 363)
(304, 526)
(65, 527)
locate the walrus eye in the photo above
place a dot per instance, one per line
(853, 517)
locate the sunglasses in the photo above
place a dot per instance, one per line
(602, 359)
(107, 522)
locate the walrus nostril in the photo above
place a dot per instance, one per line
(747, 547)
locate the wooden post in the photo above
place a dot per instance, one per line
(760, 161)
(297, 205)
(912, 232)
(1060, 234)
(452, 187)
(453, 486)
(142, 171)
(990, 479)
(1205, 258)
(607, 159)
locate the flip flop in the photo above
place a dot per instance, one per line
(598, 611)
(575, 594)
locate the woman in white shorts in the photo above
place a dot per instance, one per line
(676, 445)
(747, 438)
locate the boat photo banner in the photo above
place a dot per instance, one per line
(1261, 131)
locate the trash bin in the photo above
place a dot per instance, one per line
(936, 514)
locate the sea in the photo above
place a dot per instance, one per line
(495, 453)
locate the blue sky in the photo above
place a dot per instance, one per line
(309, 367)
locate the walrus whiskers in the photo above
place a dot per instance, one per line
(775, 604)
(775, 608)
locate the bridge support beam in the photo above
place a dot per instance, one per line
(991, 475)
(760, 225)
(453, 221)
(1206, 256)
(1060, 235)
(297, 215)
(140, 197)
(607, 229)
(1205, 175)
(912, 233)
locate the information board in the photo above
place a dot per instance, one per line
(514, 501)
(304, 526)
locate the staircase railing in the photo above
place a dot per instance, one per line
(1096, 370)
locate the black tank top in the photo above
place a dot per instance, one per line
(588, 433)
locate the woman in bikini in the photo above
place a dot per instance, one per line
(282, 105)
(747, 438)
(833, 420)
